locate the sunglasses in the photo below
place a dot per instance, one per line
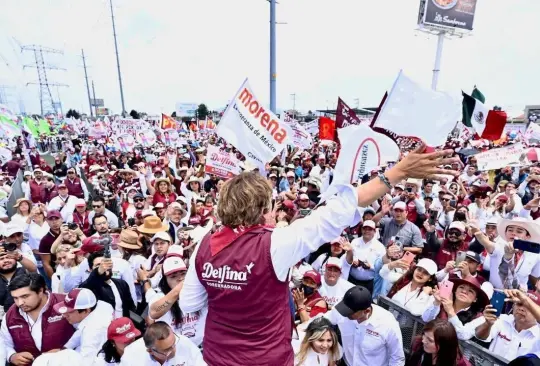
(71, 172)
(445, 199)
(138, 200)
(454, 232)
(97, 206)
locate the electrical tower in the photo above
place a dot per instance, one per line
(45, 96)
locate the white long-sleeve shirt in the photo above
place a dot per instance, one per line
(91, 333)
(464, 331)
(289, 244)
(65, 205)
(186, 354)
(416, 301)
(376, 341)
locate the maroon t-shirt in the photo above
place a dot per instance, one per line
(46, 243)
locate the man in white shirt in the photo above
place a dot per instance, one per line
(369, 333)
(91, 319)
(14, 235)
(366, 250)
(63, 202)
(333, 287)
(161, 346)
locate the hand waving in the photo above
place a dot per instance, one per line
(420, 165)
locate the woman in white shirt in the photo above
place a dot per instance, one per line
(319, 346)
(164, 305)
(23, 217)
(38, 228)
(131, 250)
(414, 289)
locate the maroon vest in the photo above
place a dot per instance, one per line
(248, 320)
(37, 192)
(75, 188)
(56, 331)
(446, 253)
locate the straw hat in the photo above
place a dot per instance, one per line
(21, 200)
(166, 180)
(96, 167)
(129, 240)
(152, 225)
(532, 227)
(194, 179)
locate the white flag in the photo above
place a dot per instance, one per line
(362, 150)
(253, 129)
(416, 111)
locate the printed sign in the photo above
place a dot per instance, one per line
(146, 138)
(186, 109)
(513, 155)
(124, 142)
(170, 137)
(129, 126)
(450, 13)
(300, 137)
(252, 128)
(312, 127)
(362, 150)
(221, 163)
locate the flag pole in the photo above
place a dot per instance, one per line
(438, 56)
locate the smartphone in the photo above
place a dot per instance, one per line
(527, 246)
(408, 189)
(497, 301)
(445, 289)
(460, 257)
(305, 211)
(408, 257)
(433, 216)
(453, 203)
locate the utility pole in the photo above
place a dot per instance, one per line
(294, 104)
(118, 62)
(94, 94)
(273, 75)
(45, 96)
(87, 86)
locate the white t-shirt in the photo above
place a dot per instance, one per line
(192, 325)
(334, 294)
(186, 354)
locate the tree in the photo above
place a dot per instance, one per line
(73, 113)
(134, 114)
(173, 114)
(202, 111)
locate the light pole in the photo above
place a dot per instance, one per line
(118, 63)
(438, 56)
(273, 75)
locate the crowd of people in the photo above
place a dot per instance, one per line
(129, 258)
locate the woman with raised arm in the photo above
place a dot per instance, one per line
(241, 271)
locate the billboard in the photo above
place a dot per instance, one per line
(186, 109)
(100, 111)
(452, 14)
(97, 102)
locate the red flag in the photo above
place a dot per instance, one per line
(327, 129)
(167, 122)
(495, 122)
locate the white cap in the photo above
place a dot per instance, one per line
(334, 262)
(26, 173)
(65, 357)
(12, 228)
(146, 213)
(175, 251)
(163, 235)
(80, 202)
(369, 223)
(272, 175)
(181, 199)
(400, 186)
(290, 174)
(172, 265)
(304, 196)
(400, 205)
(76, 299)
(457, 225)
(303, 189)
(493, 221)
(428, 265)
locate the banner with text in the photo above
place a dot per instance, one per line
(221, 163)
(514, 155)
(254, 130)
(301, 138)
(129, 126)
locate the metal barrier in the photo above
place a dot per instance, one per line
(16, 193)
(412, 326)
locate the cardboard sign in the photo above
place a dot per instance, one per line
(252, 128)
(513, 155)
(221, 163)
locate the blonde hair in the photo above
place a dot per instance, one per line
(244, 200)
(315, 331)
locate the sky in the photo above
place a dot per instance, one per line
(201, 51)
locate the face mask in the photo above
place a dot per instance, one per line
(308, 291)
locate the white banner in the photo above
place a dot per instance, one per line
(254, 130)
(301, 138)
(362, 150)
(130, 126)
(312, 127)
(533, 132)
(221, 163)
(513, 155)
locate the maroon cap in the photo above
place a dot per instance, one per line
(89, 247)
(288, 204)
(76, 299)
(315, 276)
(62, 185)
(122, 330)
(52, 214)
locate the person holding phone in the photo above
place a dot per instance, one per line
(446, 250)
(462, 305)
(513, 335)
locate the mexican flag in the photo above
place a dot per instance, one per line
(488, 124)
